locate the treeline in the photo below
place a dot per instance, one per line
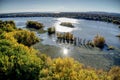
(19, 61)
(107, 17)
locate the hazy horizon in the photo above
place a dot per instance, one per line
(15, 6)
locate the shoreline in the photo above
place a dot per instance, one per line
(101, 59)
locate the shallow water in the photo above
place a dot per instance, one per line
(90, 57)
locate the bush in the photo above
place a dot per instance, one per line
(51, 30)
(68, 24)
(27, 38)
(12, 23)
(115, 73)
(99, 41)
(69, 69)
(7, 26)
(69, 36)
(65, 36)
(34, 24)
(22, 36)
(19, 61)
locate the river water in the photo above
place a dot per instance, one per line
(85, 29)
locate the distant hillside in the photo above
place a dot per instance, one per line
(106, 13)
(98, 16)
(50, 14)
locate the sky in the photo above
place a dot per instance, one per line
(11, 6)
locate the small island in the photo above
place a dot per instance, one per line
(51, 30)
(67, 24)
(34, 24)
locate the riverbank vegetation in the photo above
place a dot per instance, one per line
(99, 41)
(65, 37)
(10, 32)
(19, 61)
(7, 26)
(34, 24)
(67, 24)
(51, 30)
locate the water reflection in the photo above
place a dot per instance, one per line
(67, 20)
(65, 51)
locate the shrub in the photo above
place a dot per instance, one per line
(22, 36)
(99, 41)
(7, 26)
(19, 61)
(12, 23)
(66, 36)
(68, 24)
(34, 24)
(26, 37)
(51, 30)
(69, 36)
(115, 73)
(69, 69)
